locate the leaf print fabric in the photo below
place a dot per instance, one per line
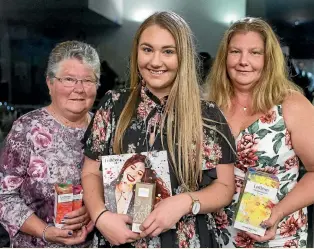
(266, 146)
(38, 152)
(216, 151)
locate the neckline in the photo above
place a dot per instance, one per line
(145, 92)
(254, 122)
(57, 121)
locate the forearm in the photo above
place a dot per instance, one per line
(212, 198)
(299, 197)
(93, 194)
(215, 196)
(33, 226)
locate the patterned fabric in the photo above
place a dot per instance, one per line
(38, 153)
(266, 146)
(191, 231)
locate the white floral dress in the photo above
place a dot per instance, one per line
(266, 146)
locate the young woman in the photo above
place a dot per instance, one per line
(162, 111)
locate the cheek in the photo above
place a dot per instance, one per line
(91, 93)
(62, 93)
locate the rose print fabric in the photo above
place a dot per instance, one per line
(266, 146)
(191, 231)
(38, 152)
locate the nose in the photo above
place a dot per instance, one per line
(78, 87)
(156, 60)
(243, 59)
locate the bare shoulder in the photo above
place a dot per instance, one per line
(296, 108)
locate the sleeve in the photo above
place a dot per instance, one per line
(99, 132)
(14, 161)
(222, 141)
(218, 143)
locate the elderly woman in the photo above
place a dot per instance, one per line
(44, 148)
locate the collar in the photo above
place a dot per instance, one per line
(150, 99)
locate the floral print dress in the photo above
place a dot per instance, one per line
(266, 146)
(38, 152)
(191, 231)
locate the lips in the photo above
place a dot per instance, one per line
(157, 72)
(130, 178)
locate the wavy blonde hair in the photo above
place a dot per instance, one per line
(183, 108)
(274, 84)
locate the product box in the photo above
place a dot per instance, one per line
(256, 201)
(63, 202)
(143, 203)
(77, 197)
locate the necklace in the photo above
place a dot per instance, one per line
(243, 107)
(65, 122)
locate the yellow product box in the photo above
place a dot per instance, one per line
(256, 201)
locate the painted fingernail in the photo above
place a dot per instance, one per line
(62, 221)
(70, 233)
(65, 217)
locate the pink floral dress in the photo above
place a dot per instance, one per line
(38, 152)
(266, 146)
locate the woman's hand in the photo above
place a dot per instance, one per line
(66, 236)
(114, 227)
(76, 219)
(271, 225)
(165, 215)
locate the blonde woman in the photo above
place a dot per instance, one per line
(162, 111)
(271, 121)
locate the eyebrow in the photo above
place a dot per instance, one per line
(249, 48)
(149, 45)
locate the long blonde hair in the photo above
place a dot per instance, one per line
(274, 84)
(183, 109)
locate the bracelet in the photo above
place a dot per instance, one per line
(105, 210)
(45, 229)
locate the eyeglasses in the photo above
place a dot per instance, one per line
(71, 82)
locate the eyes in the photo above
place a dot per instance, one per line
(140, 172)
(252, 52)
(165, 51)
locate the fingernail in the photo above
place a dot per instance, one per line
(70, 233)
(65, 217)
(62, 221)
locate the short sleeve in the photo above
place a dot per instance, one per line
(99, 132)
(219, 143)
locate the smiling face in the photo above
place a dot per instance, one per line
(245, 60)
(134, 173)
(72, 102)
(157, 59)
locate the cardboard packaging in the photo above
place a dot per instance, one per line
(256, 201)
(77, 197)
(143, 203)
(63, 202)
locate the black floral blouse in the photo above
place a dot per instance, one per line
(191, 231)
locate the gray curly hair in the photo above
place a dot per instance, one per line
(73, 49)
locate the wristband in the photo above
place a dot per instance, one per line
(44, 231)
(105, 210)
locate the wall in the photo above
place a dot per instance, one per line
(207, 18)
(111, 9)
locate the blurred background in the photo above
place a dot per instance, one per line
(29, 29)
